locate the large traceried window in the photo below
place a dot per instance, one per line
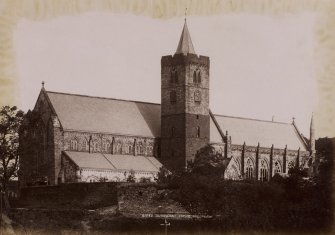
(249, 169)
(264, 172)
(291, 165)
(277, 168)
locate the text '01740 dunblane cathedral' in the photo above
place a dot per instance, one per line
(79, 138)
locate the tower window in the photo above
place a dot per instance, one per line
(199, 77)
(194, 77)
(173, 97)
(174, 76)
(173, 130)
(198, 132)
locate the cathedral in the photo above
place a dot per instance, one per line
(79, 138)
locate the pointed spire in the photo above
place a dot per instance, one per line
(312, 135)
(185, 43)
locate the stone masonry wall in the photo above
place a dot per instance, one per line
(272, 160)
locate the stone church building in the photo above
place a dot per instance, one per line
(79, 138)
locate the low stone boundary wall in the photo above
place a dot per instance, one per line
(73, 195)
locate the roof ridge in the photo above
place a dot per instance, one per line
(99, 97)
(253, 119)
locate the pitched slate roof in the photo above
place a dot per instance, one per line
(103, 115)
(114, 162)
(130, 162)
(252, 131)
(185, 44)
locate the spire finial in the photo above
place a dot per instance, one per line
(293, 120)
(42, 84)
(185, 14)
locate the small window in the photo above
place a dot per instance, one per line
(173, 130)
(198, 131)
(173, 97)
(74, 145)
(84, 147)
(197, 116)
(95, 147)
(194, 77)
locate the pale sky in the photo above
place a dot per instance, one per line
(260, 66)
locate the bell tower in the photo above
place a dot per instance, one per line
(184, 104)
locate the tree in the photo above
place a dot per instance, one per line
(10, 122)
(163, 176)
(131, 177)
(209, 160)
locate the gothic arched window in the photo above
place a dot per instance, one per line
(249, 169)
(199, 77)
(108, 147)
(277, 168)
(194, 77)
(175, 76)
(95, 146)
(291, 165)
(173, 97)
(104, 146)
(264, 174)
(84, 145)
(74, 145)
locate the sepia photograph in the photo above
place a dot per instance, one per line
(167, 117)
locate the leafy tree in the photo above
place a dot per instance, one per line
(209, 161)
(10, 121)
(131, 177)
(163, 176)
